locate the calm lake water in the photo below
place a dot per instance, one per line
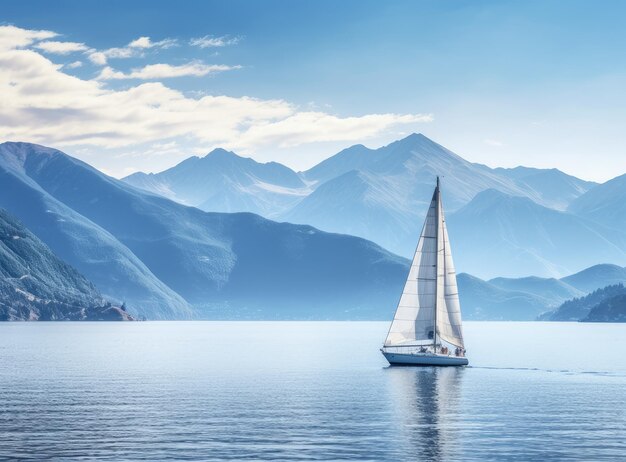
(307, 391)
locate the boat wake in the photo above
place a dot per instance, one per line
(555, 371)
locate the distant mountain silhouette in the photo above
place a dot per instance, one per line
(529, 298)
(36, 285)
(499, 234)
(226, 265)
(606, 204)
(481, 301)
(596, 276)
(554, 188)
(551, 290)
(224, 182)
(378, 194)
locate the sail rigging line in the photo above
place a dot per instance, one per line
(436, 270)
(413, 319)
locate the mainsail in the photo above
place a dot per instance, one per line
(429, 308)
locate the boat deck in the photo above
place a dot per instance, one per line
(424, 359)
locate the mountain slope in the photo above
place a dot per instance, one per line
(356, 157)
(36, 285)
(552, 290)
(497, 234)
(481, 300)
(554, 188)
(610, 310)
(606, 203)
(229, 264)
(578, 308)
(596, 276)
(105, 261)
(532, 297)
(224, 182)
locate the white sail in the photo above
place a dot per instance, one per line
(449, 326)
(430, 296)
(415, 316)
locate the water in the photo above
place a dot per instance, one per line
(307, 391)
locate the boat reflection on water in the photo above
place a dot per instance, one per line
(426, 403)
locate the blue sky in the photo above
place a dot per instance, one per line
(538, 83)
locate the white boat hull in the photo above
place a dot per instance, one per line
(424, 359)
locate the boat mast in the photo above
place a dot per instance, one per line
(436, 269)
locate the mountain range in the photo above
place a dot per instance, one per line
(529, 298)
(225, 182)
(170, 261)
(499, 234)
(503, 222)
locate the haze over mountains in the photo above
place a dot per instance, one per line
(172, 261)
(503, 222)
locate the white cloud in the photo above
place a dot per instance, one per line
(141, 42)
(14, 37)
(61, 48)
(40, 103)
(165, 71)
(209, 41)
(312, 127)
(98, 58)
(74, 65)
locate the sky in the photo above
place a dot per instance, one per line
(142, 85)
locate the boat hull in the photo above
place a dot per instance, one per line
(408, 359)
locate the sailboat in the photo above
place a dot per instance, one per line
(426, 329)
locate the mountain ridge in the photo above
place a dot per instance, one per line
(381, 194)
(205, 258)
(504, 235)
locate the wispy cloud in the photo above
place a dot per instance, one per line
(61, 48)
(166, 71)
(134, 48)
(74, 65)
(146, 42)
(210, 41)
